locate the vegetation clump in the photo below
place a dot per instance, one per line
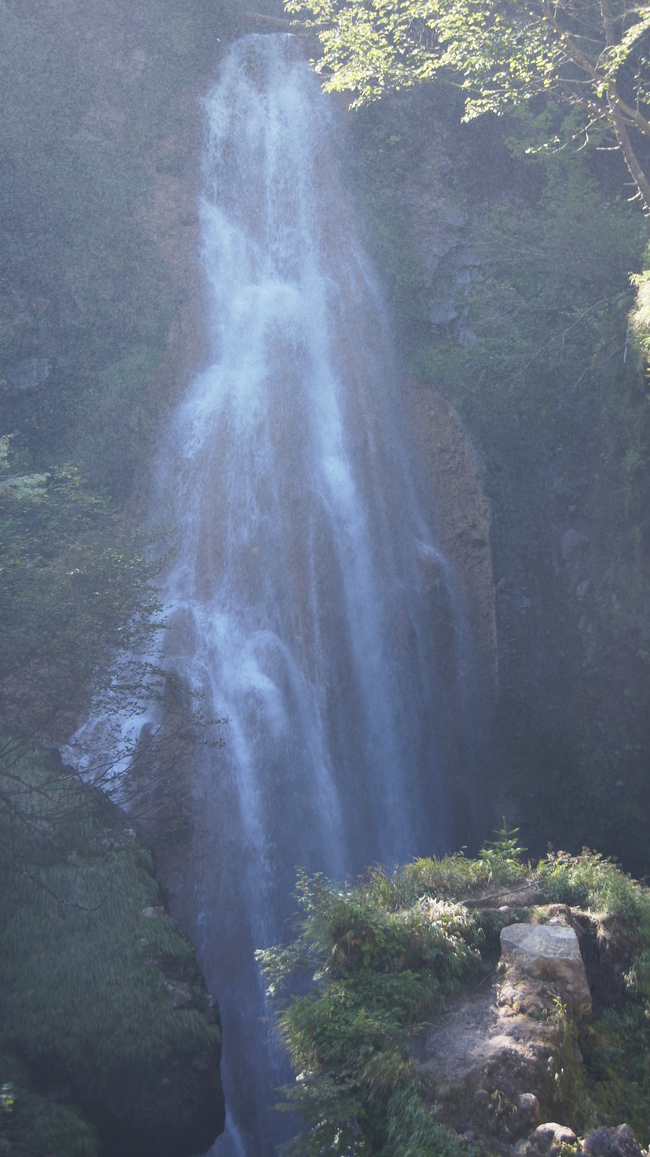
(382, 956)
(75, 586)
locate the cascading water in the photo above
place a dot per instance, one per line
(302, 605)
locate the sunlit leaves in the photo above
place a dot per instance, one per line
(582, 52)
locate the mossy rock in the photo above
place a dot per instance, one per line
(101, 997)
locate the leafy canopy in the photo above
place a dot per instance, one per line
(587, 55)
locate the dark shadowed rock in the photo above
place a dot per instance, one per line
(527, 1109)
(548, 1139)
(618, 1142)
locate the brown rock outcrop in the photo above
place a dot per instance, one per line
(495, 1055)
(460, 515)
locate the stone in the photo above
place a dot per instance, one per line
(618, 1142)
(571, 540)
(492, 1057)
(442, 313)
(152, 913)
(549, 952)
(547, 1139)
(178, 993)
(527, 1109)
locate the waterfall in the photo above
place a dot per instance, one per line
(307, 603)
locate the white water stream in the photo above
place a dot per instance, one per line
(303, 597)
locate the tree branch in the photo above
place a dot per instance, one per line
(629, 156)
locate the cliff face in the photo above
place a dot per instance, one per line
(100, 141)
(509, 285)
(110, 1042)
(460, 514)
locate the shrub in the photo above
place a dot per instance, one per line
(382, 956)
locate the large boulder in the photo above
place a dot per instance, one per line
(618, 1142)
(549, 952)
(547, 1140)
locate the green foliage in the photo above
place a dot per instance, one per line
(75, 586)
(461, 877)
(86, 952)
(379, 970)
(550, 310)
(38, 1126)
(586, 55)
(599, 884)
(383, 956)
(616, 1049)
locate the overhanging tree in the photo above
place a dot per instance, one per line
(587, 55)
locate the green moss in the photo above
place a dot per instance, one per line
(86, 966)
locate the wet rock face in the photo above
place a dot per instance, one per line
(460, 514)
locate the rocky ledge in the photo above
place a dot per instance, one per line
(505, 1056)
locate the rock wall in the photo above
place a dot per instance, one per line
(561, 449)
(460, 514)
